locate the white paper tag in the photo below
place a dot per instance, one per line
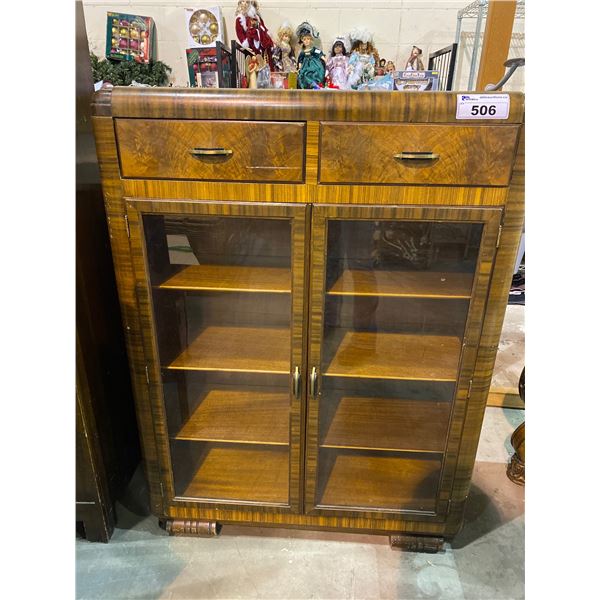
(482, 106)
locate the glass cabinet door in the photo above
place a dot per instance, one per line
(220, 289)
(397, 294)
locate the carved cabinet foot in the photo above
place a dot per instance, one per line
(516, 467)
(417, 543)
(191, 527)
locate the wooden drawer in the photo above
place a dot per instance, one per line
(369, 153)
(258, 151)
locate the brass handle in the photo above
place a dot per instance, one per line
(416, 156)
(210, 152)
(313, 381)
(296, 380)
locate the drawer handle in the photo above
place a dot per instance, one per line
(416, 156)
(197, 152)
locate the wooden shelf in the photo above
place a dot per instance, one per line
(394, 356)
(374, 481)
(403, 284)
(247, 474)
(240, 416)
(240, 349)
(231, 278)
(388, 424)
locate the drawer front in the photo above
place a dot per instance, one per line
(450, 154)
(252, 151)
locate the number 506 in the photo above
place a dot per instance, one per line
(483, 110)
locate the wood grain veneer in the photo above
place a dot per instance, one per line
(387, 424)
(246, 474)
(402, 284)
(253, 349)
(468, 155)
(160, 149)
(240, 416)
(381, 355)
(375, 480)
(230, 278)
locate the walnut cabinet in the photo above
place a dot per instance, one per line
(313, 286)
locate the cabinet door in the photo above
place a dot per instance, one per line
(397, 301)
(220, 292)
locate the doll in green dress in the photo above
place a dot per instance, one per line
(311, 60)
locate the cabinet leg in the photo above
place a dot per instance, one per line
(191, 527)
(417, 543)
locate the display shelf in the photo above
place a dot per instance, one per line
(393, 356)
(230, 278)
(375, 480)
(240, 416)
(403, 284)
(240, 349)
(387, 424)
(246, 474)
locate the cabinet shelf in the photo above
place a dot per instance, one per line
(239, 349)
(403, 284)
(240, 416)
(377, 355)
(388, 424)
(230, 278)
(246, 474)
(371, 480)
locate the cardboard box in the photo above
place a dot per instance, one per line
(130, 37)
(417, 81)
(204, 27)
(210, 67)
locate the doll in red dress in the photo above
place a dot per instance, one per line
(251, 30)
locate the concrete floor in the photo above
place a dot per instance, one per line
(486, 559)
(511, 350)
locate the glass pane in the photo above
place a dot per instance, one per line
(396, 305)
(221, 293)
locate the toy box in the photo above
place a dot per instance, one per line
(210, 67)
(204, 27)
(284, 80)
(130, 37)
(417, 81)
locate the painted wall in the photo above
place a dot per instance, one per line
(396, 26)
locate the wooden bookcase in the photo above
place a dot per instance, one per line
(313, 286)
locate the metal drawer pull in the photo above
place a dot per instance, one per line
(313, 381)
(211, 152)
(296, 380)
(416, 156)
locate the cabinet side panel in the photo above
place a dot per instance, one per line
(115, 211)
(490, 337)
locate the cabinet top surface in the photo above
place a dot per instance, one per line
(286, 105)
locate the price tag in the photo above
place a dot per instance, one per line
(482, 106)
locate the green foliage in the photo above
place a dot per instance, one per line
(123, 72)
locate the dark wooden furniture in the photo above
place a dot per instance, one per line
(107, 446)
(313, 287)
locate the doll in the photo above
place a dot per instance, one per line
(390, 67)
(337, 64)
(283, 54)
(361, 66)
(414, 62)
(251, 30)
(380, 70)
(311, 61)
